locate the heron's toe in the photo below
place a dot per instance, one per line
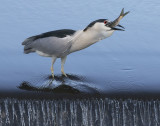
(64, 74)
(52, 75)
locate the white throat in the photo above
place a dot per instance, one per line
(83, 39)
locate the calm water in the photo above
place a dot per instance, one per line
(127, 62)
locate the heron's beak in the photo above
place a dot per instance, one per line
(114, 28)
(115, 23)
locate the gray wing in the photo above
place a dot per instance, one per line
(50, 46)
(53, 42)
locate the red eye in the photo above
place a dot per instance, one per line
(105, 22)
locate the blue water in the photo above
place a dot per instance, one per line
(126, 61)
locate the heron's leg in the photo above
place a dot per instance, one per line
(52, 70)
(63, 59)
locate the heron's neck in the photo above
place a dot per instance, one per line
(85, 39)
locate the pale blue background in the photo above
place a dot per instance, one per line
(127, 60)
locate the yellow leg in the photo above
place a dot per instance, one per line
(52, 70)
(63, 59)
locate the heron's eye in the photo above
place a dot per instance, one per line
(105, 22)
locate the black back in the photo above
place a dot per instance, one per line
(58, 33)
(92, 23)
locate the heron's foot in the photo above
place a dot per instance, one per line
(52, 75)
(63, 73)
(52, 72)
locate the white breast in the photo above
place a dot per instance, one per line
(87, 38)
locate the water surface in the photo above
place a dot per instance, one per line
(125, 62)
(114, 82)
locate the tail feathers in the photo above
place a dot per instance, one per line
(28, 41)
(28, 45)
(28, 50)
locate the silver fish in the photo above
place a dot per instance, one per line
(115, 23)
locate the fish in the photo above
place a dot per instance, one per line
(115, 23)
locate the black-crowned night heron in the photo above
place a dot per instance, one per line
(60, 43)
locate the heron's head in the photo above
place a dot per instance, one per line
(106, 27)
(101, 27)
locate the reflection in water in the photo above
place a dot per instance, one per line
(79, 112)
(72, 84)
(128, 61)
(59, 89)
